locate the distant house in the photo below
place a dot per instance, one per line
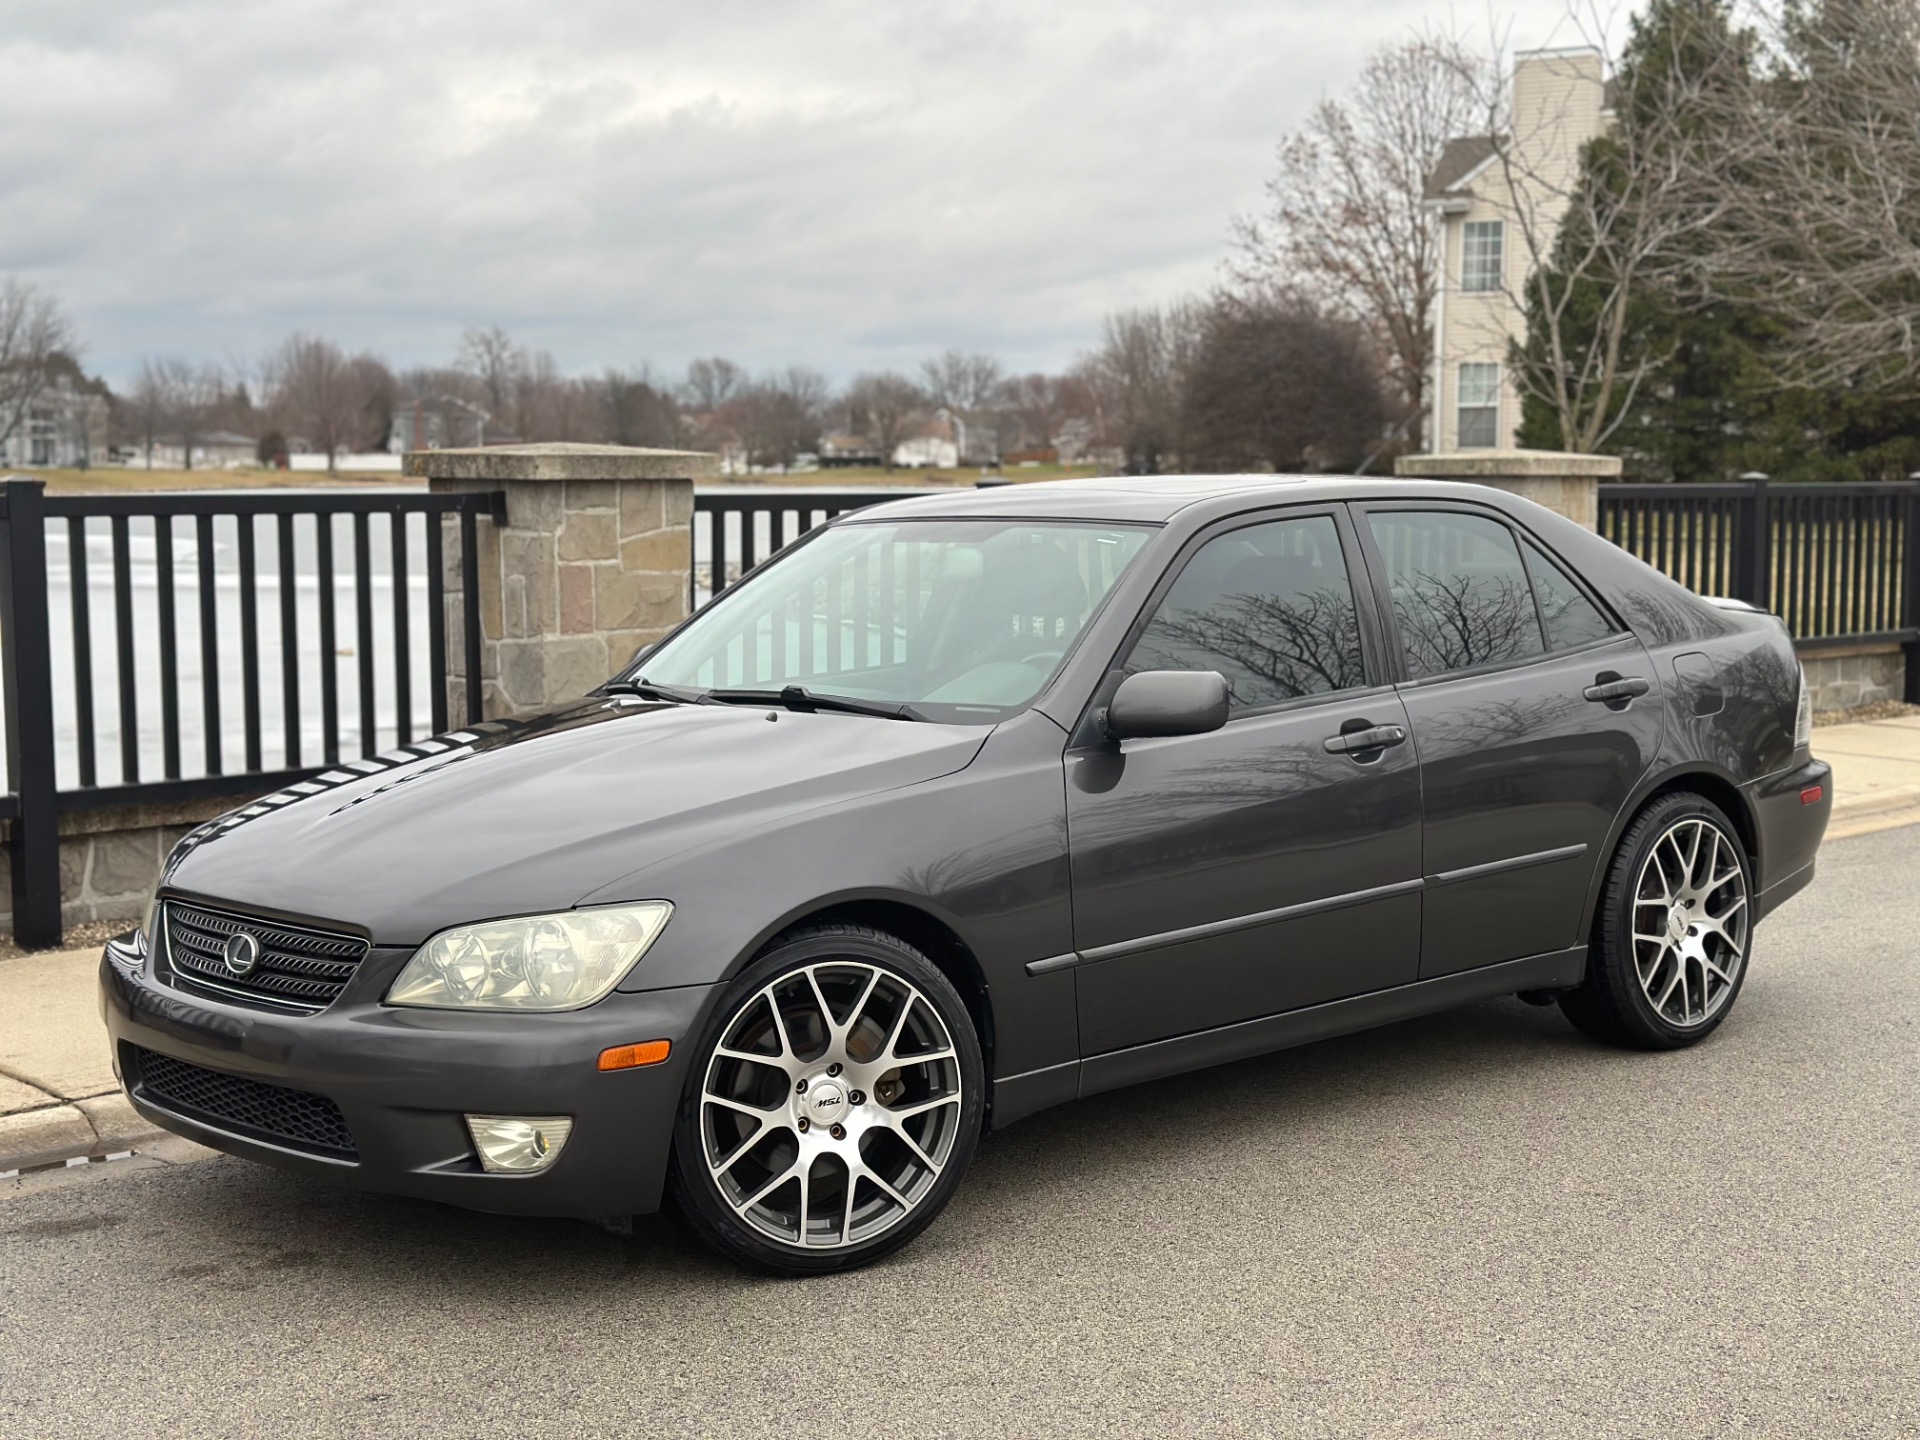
(842, 451)
(65, 426)
(438, 422)
(1488, 193)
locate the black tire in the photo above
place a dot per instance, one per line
(828, 964)
(1611, 1004)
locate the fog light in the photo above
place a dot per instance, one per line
(518, 1144)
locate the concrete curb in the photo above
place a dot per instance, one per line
(1893, 797)
(98, 1125)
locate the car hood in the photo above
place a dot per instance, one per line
(515, 817)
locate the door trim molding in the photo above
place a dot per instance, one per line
(1212, 928)
(1513, 862)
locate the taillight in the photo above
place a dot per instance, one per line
(1803, 717)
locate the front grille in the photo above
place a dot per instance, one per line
(298, 969)
(247, 1107)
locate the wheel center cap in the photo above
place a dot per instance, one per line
(825, 1103)
(1677, 921)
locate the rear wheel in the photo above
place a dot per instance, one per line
(1671, 941)
(833, 1107)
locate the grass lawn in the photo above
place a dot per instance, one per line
(113, 480)
(853, 477)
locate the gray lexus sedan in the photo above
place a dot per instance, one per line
(969, 805)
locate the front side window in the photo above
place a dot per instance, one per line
(965, 620)
(1482, 253)
(1270, 607)
(1479, 405)
(1460, 594)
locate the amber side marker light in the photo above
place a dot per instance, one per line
(1809, 796)
(632, 1057)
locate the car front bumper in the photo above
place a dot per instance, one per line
(404, 1079)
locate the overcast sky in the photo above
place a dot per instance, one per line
(847, 183)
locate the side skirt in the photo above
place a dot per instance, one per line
(1320, 1022)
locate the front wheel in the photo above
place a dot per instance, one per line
(1671, 941)
(833, 1106)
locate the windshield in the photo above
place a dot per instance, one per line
(958, 619)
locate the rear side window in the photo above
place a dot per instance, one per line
(1460, 593)
(1569, 617)
(1270, 607)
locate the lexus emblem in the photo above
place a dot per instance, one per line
(242, 953)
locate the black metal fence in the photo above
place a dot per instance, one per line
(1839, 563)
(166, 647)
(735, 529)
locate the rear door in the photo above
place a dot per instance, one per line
(1534, 714)
(1236, 874)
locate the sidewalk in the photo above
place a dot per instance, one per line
(59, 1098)
(58, 1095)
(1876, 774)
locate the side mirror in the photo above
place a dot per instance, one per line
(1168, 702)
(637, 657)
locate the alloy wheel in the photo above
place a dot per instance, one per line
(1691, 923)
(830, 1105)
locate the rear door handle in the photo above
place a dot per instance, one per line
(1609, 690)
(1376, 738)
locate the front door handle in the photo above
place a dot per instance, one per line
(1607, 691)
(1377, 737)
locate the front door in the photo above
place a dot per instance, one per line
(1226, 876)
(1535, 716)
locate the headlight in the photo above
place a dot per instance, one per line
(538, 962)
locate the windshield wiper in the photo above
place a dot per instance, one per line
(648, 690)
(798, 697)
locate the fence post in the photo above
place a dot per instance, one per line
(27, 662)
(1757, 549)
(1911, 620)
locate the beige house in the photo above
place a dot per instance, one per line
(1498, 200)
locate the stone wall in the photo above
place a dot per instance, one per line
(110, 859)
(1843, 676)
(592, 562)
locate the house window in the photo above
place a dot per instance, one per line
(1482, 251)
(1479, 402)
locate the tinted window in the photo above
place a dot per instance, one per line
(1270, 607)
(1460, 593)
(1571, 619)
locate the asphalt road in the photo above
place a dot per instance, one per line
(1473, 1225)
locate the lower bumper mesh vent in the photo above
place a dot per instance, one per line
(292, 1118)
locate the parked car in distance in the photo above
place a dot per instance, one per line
(968, 805)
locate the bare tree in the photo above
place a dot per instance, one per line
(496, 361)
(318, 393)
(145, 406)
(1139, 374)
(1823, 227)
(712, 382)
(1276, 385)
(34, 332)
(636, 411)
(960, 380)
(1041, 405)
(884, 404)
(1344, 220)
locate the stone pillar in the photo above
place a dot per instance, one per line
(594, 561)
(1567, 483)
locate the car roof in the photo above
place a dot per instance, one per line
(1153, 498)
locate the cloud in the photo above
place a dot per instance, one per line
(843, 182)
